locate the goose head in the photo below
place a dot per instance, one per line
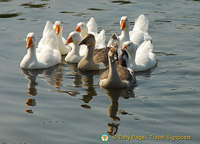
(113, 55)
(30, 40)
(124, 22)
(82, 29)
(73, 37)
(114, 40)
(89, 41)
(129, 46)
(58, 27)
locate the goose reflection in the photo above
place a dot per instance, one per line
(55, 77)
(88, 82)
(114, 95)
(71, 72)
(74, 74)
(52, 76)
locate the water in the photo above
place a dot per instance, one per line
(61, 105)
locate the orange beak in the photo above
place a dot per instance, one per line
(29, 42)
(69, 40)
(124, 47)
(57, 29)
(123, 24)
(78, 29)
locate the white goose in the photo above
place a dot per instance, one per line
(42, 57)
(124, 36)
(99, 37)
(73, 56)
(139, 34)
(91, 27)
(141, 59)
(48, 32)
(58, 28)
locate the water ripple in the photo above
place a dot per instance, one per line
(66, 12)
(122, 2)
(5, 0)
(31, 5)
(9, 15)
(96, 9)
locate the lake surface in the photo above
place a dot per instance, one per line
(62, 105)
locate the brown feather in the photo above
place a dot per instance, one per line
(101, 55)
(123, 72)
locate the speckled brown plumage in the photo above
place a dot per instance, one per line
(123, 72)
(101, 55)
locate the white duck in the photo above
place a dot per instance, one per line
(58, 28)
(91, 27)
(73, 56)
(141, 59)
(42, 57)
(139, 34)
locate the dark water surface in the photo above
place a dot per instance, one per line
(61, 105)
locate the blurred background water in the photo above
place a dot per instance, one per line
(61, 105)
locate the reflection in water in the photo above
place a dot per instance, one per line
(146, 74)
(30, 102)
(74, 74)
(77, 77)
(112, 110)
(56, 78)
(114, 95)
(112, 128)
(52, 76)
(89, 83)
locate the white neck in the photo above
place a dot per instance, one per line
(75, 49)
(124, 35)
(132, 60)
(31, 53)
(30, 58)
(61, 45)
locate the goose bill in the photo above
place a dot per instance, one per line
(29, 42)
(69, 40)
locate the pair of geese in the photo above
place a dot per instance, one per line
(87, 48)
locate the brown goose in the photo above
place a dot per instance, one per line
(116, 76)
(90, 61)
